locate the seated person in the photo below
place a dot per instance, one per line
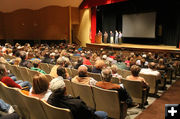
(60, 62)
(106, 84)
(83, 78)
(135, 76)
(40, 87)
(62, 74)
(36, 64)
(78, 108)
(79, 63)
(10, 82)
(114, 69)
(99, 64)
(161, 65)
(151, 70)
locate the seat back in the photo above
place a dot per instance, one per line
(3, 93)
(34, 107)
(108, 101)
(125, 73)
(45, 67)
(69, 72)
(74, 72)
(95, 76)
(14, 99)
(135, 90)
(49, 77)
(53, 112)
(85, 93)
(50, 67)
(16, 72)
(74, 58)
(31, 74)
(69, 89)
(115, 80)
(151, 80)
(24, 73)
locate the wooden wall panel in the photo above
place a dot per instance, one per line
(75, 15)
(49, 23)
(1, 26)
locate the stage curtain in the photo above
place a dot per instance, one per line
(94, 3)
(93, 24)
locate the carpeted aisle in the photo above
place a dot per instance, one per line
(157, 109)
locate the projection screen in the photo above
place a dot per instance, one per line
(141, 25)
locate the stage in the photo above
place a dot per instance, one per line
(135, 47)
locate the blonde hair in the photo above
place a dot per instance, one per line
(99, 64)
(114, 68)
(17, 61)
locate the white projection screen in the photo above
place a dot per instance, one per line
(141, 25)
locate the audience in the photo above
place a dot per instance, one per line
(83, 78)
(36, 64)
(40, 87)
(99, 64)
(114, 69)
(151, 70)
(78, 108)
(106, 84)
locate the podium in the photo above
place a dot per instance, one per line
(98, 39)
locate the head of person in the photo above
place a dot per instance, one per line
(99, 64)
(40, 84)
(135, 70)
(118, 58)
(80, 60)
(47, 55)
(3, 71)
(106, 74)
(23, 55)
(152, 66)
(17, 61)
(82, 71)
(58, 86)
(114, 68)
(61, 72)
(161, 61)
(66, 62)
(36, 63)
(60, 61)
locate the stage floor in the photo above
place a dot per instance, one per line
(134, 46)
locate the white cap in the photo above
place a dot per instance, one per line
(104, 56)
(56, 84)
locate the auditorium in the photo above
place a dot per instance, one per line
(89, 59)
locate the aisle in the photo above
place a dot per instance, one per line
(157, 109)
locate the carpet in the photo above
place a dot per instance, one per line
(157, 109)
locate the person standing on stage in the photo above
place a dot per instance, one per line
(100, 36)
(116, 37)
(111, 37)
(120, 37)
(105, 37)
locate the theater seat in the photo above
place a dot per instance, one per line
(53, 112)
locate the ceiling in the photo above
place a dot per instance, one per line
(12, 5)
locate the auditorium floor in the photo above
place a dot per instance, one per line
(135, 111)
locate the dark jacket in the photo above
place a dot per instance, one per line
(95, 70)
(76, 105)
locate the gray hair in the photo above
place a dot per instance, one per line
(106, 74)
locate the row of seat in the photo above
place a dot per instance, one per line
(23, 73)
(99, 99)
(31, 107)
